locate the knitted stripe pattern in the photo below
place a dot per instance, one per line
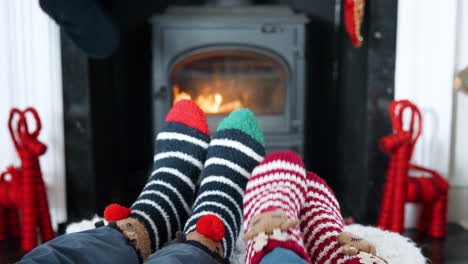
(321, 223)
(279, 182)
(165, 202)
(231, 157)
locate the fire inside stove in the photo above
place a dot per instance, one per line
(223, 81)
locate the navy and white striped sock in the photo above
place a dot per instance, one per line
(235, 149)
(181, 147)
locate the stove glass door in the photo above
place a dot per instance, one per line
(220, 81)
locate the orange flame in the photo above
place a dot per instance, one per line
(210, 103)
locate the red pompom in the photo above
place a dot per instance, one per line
(116, 212)
(211, 226)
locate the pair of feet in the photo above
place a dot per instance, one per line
(285, 206)
(186, 158)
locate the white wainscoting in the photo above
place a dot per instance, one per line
(425, 65)
(30, 75)
(458, 210)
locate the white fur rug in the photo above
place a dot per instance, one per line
(393, 247)
(396, 249)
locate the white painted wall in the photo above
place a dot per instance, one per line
(458, 210)
(425, 65)
(30, 75)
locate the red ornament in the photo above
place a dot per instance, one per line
(116, 212)
(25, 193)
(211, 226)
(401, 187)
(353, 16)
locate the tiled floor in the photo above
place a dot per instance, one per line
(10, 251)
(451, 250)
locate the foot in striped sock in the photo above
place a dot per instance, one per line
(235, 149)
(321, 223)
(165, 202)
(273, 200)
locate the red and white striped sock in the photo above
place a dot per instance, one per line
(321, 223)
(277, 183)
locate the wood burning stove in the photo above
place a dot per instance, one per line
(225, 58)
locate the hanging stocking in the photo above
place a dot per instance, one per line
(353, 15)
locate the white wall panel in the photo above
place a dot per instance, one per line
(458, 211)
(30, 75)
(425, 61)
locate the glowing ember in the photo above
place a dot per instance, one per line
(180, 95)
(211, 103)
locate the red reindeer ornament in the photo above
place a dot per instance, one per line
(24, 210)
(400, 187)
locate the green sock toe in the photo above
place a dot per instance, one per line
(244, 120)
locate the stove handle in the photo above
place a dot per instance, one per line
(161, 93)
(297, 125)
